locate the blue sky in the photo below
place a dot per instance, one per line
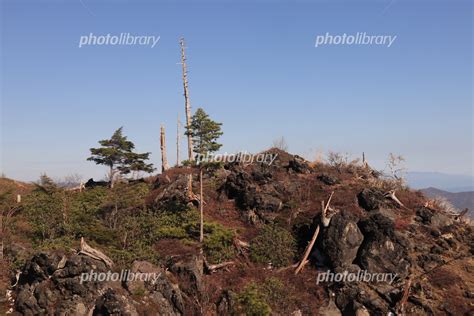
(252, 66)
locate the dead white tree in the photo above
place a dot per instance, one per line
(187, 103)
(187, 108)
(164, 160)
(201, 207)
(325, 219)
(178, 123)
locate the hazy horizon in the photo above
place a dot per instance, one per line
(252, 66)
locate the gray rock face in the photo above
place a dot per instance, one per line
(341, 240)
(44, 288)
(51, 285)
(382, 250)
(112, 303)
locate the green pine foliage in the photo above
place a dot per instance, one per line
(274, 245)
(117, 153)
(205, 133)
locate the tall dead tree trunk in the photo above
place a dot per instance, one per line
(187, 104)
(164, 160)
(187, 108)
(177, 142)
(201, 207)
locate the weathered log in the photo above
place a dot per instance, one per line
(213, 267)
(391, 195)
(94, 253)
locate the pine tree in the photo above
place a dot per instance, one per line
(117, 153)
(205, 133)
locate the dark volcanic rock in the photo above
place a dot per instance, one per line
(382, 250)
(111, 303)
(51, 285)
(341, 240)
(372, 199)
(424, 215)
(174, 196)
(252, 192)
(298, 165)
(327, 179)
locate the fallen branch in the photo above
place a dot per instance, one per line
(94, 253)
(326, 219)
(213, 267)
(241, 244)
(406, 292)
(307, 251)
(210, 268)
(391, 195)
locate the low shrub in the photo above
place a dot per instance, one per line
(273, 245)
(252, 302)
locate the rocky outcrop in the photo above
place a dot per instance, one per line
(52, 284)
(382, 249)
(253, 191)
(373, 199)
(341, 240)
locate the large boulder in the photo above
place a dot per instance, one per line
(174, 196)
(341, 240)
(299, 165)
(251, 191)
(382, 251)
(112, 303)
(50, 284)
(372, 199)
(164, 294)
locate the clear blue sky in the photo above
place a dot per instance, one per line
(252, 66)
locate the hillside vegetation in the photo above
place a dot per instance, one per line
(258, 221)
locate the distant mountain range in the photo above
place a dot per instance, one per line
(460, 200)
(446, 182)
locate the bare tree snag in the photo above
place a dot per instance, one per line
(201, 208)
(187, 108)
(164, 159)
(187, 104)
(364, 161)
(325, 220)
(94, 253)
(177, 141)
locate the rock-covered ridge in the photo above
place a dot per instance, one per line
(428, 251)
